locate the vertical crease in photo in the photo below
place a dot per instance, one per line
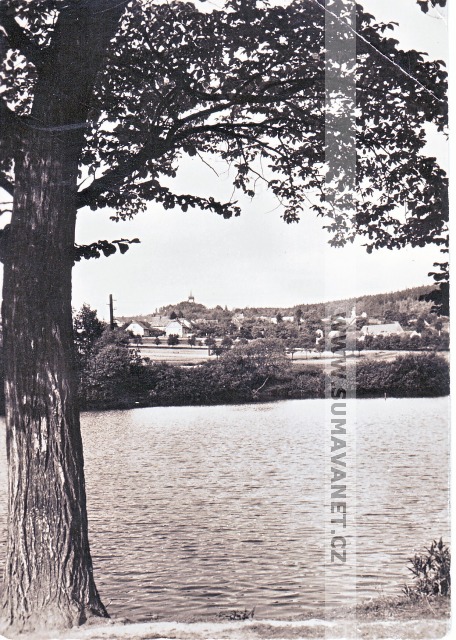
(339, 335)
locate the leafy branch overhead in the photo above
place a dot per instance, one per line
(245, 84)
(426, 4)
(95, 249)
(440, 297)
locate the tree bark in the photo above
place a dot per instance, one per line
(49, 580)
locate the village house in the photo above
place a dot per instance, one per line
(139, 328)
(284, 319)
(158, 322)
(178, 327)
(238, 319)
(350, 321)
(394, 328)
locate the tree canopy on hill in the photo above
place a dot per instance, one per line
(406, 301)
(184, 309)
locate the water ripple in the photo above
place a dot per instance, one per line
(197, 509)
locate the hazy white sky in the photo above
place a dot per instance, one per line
(254, 260)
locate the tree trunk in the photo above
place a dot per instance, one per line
(48, 578)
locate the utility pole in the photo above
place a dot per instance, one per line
(111, 312)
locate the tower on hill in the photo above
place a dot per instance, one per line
(191, 297)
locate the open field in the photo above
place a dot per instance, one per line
(303, 357)
(183, 355)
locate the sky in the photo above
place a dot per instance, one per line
(256, 259)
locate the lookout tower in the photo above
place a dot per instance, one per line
(191, 297)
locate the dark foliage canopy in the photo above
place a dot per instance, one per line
(245, 83)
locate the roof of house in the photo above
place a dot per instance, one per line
(158, 321)
(182, 321)
(141, 323)
(377, 329)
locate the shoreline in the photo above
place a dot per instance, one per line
(238, 402)
(392, 617)
(247, 381)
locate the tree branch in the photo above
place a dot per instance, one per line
(10, 121)
(19, 39)
(6, 185)
(114, 178)
(80, 38)
(252, 99)
(240, 131)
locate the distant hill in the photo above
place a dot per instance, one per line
(402, 306)
(185, 309)
(381, 305)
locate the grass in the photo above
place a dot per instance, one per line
(431, 572)
(180, 354)
(403, 608)
(427, 598)
(237, 614)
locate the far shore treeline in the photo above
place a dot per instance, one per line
(113, 375)
(114, 379)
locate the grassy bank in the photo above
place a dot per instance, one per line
(403, 608)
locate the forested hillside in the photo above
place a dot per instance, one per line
(401, 306)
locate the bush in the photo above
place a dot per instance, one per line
(431, 572)
(371, 378)
(411, 376)
(118, 377)
(423, 375)
(110, 378)
(309, 383)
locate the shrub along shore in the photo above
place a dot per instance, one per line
(251, 373)
(113, 376)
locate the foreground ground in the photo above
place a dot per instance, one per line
(379, 619)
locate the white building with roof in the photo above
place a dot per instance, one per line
(393, 328)
(139, 328)
(178, 327)
(284, 319)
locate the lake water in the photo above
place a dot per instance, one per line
(195, 510)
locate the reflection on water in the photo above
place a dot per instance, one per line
(194, 510)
